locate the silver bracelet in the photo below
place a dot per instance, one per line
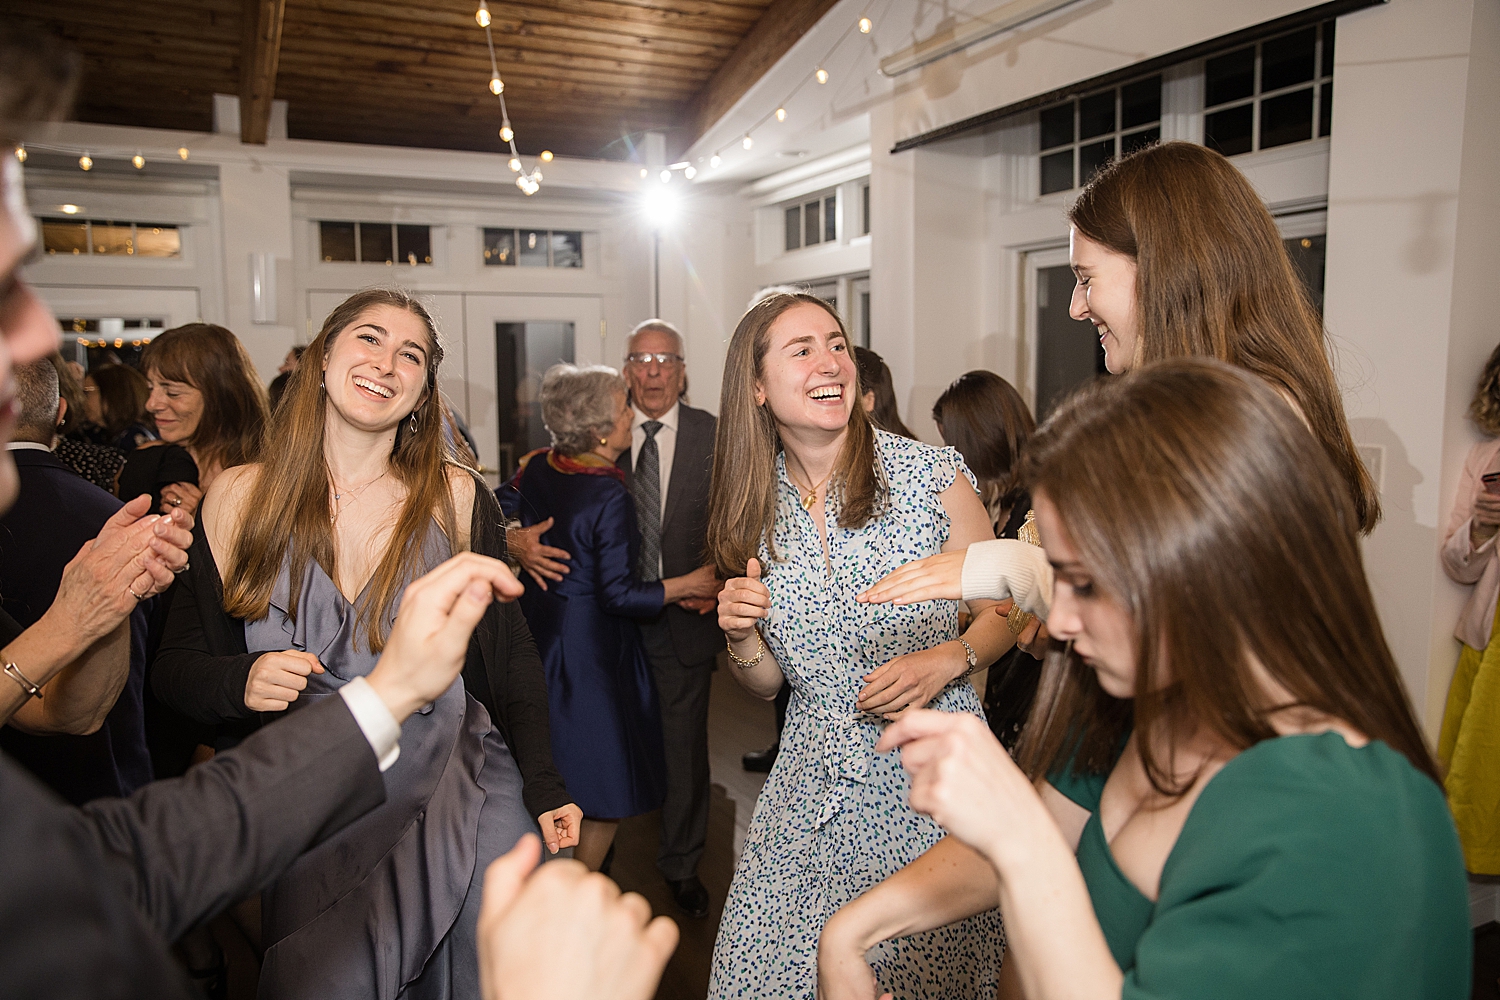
(14, 673)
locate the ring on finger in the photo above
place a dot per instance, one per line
(130, 589)
(175, 501)
(185, 567)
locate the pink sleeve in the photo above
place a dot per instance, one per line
(1461, 561)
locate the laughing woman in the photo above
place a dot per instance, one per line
(810, 505)
(356, 498)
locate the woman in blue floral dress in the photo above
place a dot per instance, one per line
(810, 506)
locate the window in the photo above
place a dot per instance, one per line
(80, 237)
(375, 242)
(532, 248)
(1269, 94)
(1081, 135)
(864, 215)
(812, 220)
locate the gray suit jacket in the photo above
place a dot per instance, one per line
(684, 529)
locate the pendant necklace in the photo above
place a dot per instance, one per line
(353, 494)
(812, 492)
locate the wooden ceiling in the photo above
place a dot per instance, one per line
(582, 77)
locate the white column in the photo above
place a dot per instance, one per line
(256, 199)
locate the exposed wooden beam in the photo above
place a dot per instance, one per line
(259, 53)
(783, 23)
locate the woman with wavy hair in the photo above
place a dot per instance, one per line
(809, 505)
(1222, 790)
(356, 497)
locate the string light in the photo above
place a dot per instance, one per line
(865, 24)
(86, 162)
(138, 161)
(645, 173)
(747, 142)
(182, 152)
(497, 86)
(515, 165)
(529, 183)
(822, 75)
(666, 175)
(546, 156)
(690, 172)
(482, 15)
(715, 160)
(506, 133)
(781, 114)
(21, 152)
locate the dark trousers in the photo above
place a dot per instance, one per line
(683, 691)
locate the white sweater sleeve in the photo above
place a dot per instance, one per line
(1006, 567)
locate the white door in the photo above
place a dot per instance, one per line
(1064, 352)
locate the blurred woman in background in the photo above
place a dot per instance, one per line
(878, 393)
(98, 463)
(114, 404)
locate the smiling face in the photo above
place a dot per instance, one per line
(654, 386)
(808, 374)
(175, 406)
(375, 369)
(1105, 296)
(1094, 621)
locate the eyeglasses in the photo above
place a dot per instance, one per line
(642, 358)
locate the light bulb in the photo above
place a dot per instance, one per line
(690, 172)
(182, 152)
(138, 161)
(747, 142)
(865, 24)
(546, 156)
(521, 183)
(21, 152)
(506, 133)
(781, 114)
(666, 175)
(482, 15)
(86, 162)
(515, 165)
(496, 86)
(532, 188)
(644, 172)
(715, 160)
(822, 75)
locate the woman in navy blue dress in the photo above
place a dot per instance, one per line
(606, 725)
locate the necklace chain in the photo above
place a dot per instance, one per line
(812, 491)
(353, 494)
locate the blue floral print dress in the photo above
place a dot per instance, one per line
(833, 819)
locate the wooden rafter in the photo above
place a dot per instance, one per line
(259, 53)
(783, 23)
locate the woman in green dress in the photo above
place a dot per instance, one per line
(1222, 790)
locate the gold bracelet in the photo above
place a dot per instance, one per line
(740, 661)
(1018, 620)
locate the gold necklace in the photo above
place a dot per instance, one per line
(812, 492)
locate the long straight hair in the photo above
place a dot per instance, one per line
(985, 418)
(289, 509)
(232, 426)
(1213, 280)
(1199, 503)
(742, 494)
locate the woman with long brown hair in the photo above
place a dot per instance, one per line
(809, 505)
(357, 496)
(1222, 790)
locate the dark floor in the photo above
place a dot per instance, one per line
(1487, 962)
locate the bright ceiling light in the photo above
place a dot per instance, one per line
(747, 142)
(781, 114)
(482, 15)
(865, 24)
(659, 206)
(69, 209)
(822, 75)
(715, 160)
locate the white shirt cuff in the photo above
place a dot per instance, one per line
(374, 719)
(1007, 567)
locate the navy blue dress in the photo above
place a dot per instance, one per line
(606, 722)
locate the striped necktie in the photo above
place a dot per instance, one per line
(646, 486)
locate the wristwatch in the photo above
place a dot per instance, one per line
(971, 657)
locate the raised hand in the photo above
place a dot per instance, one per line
(743, 602)
(276, 679)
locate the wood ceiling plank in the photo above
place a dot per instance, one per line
(259, 54)
(531, 79)
(785, 22)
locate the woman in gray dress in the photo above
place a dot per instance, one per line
(358, 495)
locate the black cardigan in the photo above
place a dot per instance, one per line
(202, 666)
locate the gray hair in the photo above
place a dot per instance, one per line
(664, 327)
(578, 405)
(37, 392)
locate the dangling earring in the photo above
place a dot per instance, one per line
(322, 383)
(413, 421)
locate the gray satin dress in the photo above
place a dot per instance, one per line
(387, 908)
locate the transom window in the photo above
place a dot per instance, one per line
(1080, 135)
(1269, 94)
(375, 243)
(811, 220)
(102, 238)
(533, 248)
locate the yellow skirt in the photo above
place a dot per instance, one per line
(1469, 752)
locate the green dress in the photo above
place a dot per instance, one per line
(1306, 868)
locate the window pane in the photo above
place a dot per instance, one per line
(1309, 254)
(1287, 118)
(1325, 109)
(1057, 171)
(65, 236)
(1135, 140)
(567, 249)
(414, 244)
(1092, 157)
(1325, 67)
(812, 223)
(110, 238)
(1057, 126)
(794, 227)
(153, 239)
(375, 243)
(336, 240)
(500, 247)
(1229, 131)
(1288, 59)
(533, 249)
(1229, 77)
(830, 219)
(1140, 102)
(864, 218)
(1096, 115)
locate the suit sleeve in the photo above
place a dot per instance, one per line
(186, 848)
(620, 591)
(185, 675)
